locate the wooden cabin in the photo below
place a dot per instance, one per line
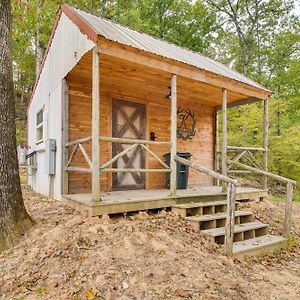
(111, 102)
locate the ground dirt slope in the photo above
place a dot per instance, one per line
(144, 256)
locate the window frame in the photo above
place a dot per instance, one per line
(39, 127)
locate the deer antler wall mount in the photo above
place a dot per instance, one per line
(186, 124)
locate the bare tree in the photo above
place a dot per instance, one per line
(245, 16)
(103, 8)
(39, 48)
(14, 219)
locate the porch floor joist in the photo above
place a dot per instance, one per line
(131, 201)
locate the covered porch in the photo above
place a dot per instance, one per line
(97, 161)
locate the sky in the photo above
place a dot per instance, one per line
(297, 9)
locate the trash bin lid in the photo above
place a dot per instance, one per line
(180, 154)
(184, 154)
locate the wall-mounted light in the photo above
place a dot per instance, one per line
(169, 95)
(152, 136)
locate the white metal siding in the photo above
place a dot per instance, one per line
(68, 46)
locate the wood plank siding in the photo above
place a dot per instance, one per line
(127, 81)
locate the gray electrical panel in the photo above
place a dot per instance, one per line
(50, 156)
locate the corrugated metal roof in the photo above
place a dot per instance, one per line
(124, 35)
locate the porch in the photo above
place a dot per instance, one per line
(138, 200)
(121, 117)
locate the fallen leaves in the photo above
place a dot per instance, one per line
(142, 256)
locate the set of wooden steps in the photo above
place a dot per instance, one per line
(250, 236)
(201, 208)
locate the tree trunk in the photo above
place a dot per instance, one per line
(103, 10)
(14, 219)
(246, 57)
(39, 49)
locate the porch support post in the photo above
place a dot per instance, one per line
(288, 209)
(217, 161)
(95, 127)
(173, 164)
(224, 136)
(266, 138)
(65, 135)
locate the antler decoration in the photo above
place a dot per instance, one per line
(183, 131)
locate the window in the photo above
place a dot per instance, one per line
(40, 126)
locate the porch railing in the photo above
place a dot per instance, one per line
(144, 144)
(246, 153)
(236, 153)
(231, 197)
(289, 187)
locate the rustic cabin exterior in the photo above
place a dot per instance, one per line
(111, 104)
(131, 92)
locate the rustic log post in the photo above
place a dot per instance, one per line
(230, 216)
(224, 136)
(266, 138)
(65, 135)
(95, 127)
(217, 161)
(173, 164)
(288, 209)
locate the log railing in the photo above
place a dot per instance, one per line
(231, 197)
(241, 153)
(249, 154)
(289, 186)
(78, 146)
(236, 153)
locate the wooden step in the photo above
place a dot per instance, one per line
(201, 208)
(211, 221)
(258, 246)
(241, 232)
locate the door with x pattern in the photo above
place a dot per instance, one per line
(128, 121)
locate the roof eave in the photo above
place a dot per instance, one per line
(82, 24)
(92, 33)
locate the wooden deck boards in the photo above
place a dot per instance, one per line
(128, 201)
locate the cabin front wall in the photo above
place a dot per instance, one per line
(153, 94)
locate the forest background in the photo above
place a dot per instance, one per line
(259, 38)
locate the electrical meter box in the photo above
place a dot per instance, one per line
(50, 151)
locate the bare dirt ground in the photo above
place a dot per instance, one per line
(145, 256)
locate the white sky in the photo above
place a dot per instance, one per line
(297, 9)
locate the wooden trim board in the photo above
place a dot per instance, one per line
(84, 202)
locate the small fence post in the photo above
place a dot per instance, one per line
(288, 209)
(230, 216)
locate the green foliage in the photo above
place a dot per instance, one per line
(40, 291)
(177, 21)
(274, 52)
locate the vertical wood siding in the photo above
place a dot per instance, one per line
(157, 120)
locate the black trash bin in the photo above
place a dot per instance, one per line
(182, 170)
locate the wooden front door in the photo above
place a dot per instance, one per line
(128, 121)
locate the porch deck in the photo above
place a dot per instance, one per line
(135, 200)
